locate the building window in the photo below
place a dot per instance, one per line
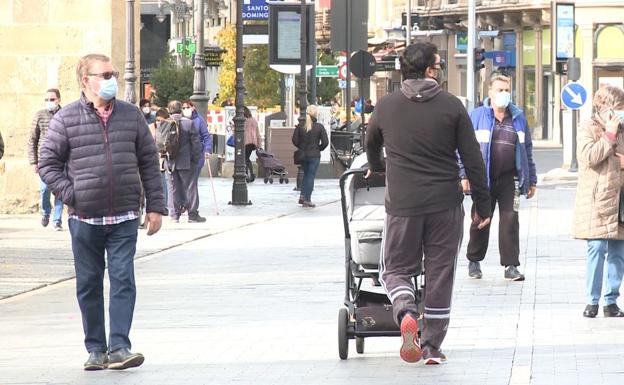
(421, 3)
(452, 1)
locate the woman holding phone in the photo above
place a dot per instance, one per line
(600, 153)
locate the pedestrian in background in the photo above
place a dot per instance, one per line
(146, 108)
(505, 139)
(161, 115)
(252, 141)
(38, 130)
(600, 154)
(184, 166)
(421, 127)
(96, 154)
(189, 111)
(1, 146)
(310, 138)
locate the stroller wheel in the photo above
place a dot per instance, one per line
(281, 180)
(359, 345)
(343, 338)
(286, 180)
(266, 180)
(271, 180)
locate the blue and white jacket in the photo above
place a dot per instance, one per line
(483, 121)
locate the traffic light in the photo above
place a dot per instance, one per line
(479, 58)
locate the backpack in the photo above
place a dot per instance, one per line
(168, 138)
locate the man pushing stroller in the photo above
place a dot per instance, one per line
(422, 127)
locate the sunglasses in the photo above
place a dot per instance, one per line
(106, 75)
(50, 99)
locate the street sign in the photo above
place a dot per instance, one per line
(342, 84)
(255, 10)
(362, 64)
(323, 71)
(573, 95)
(342, 72)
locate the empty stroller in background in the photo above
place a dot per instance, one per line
(272, 166)
(367, 313)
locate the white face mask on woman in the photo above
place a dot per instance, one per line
(187, 112)
(146, 110)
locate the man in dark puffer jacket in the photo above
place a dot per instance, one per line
(97, 152)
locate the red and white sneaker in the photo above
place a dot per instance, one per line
(433, 356)
(410, 349)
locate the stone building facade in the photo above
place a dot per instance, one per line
(40, 44)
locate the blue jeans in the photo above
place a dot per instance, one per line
(46, 208)
(89, 243)
(310, 166)
(597, 251)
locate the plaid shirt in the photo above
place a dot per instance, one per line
(109, 219)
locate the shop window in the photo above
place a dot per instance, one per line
(610, 42)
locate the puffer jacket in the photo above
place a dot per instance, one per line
(599, 182)
(38, 130)
(98, 170)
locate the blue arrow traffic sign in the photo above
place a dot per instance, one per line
(573, 95)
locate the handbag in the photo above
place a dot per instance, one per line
(298, 156)
(621, 207)
(231, 141)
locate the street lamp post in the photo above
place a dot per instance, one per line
(129, 75)
(303, 102)
(199, 98)
(239, 187)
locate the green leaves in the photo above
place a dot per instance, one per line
(172, 82)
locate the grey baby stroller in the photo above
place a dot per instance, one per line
(367, 313)
(271, 166)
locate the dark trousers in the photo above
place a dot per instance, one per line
(406, 240)
(193, 192)
(249, 148)
(501, 192)
(179, 183)
(310, 167)
(89, 243)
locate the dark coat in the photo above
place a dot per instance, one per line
(98, 170)
(1, 146)
(190, 149)
(311, 142)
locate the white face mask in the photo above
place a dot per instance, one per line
(187, 113)
(50, 106)
(502, 99)
(146, 110)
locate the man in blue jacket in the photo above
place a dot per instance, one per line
(505, 140)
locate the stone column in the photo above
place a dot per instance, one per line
(539, 85)
(519, 84)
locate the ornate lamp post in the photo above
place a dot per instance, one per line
(303, 83)
(239, 187)
(199, 98)
(129, 75)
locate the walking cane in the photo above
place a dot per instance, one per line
(214, 194)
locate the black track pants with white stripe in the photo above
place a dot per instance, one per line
(436, 237)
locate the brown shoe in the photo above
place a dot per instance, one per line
(123, 359)
(96, 361)
(308, 204)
